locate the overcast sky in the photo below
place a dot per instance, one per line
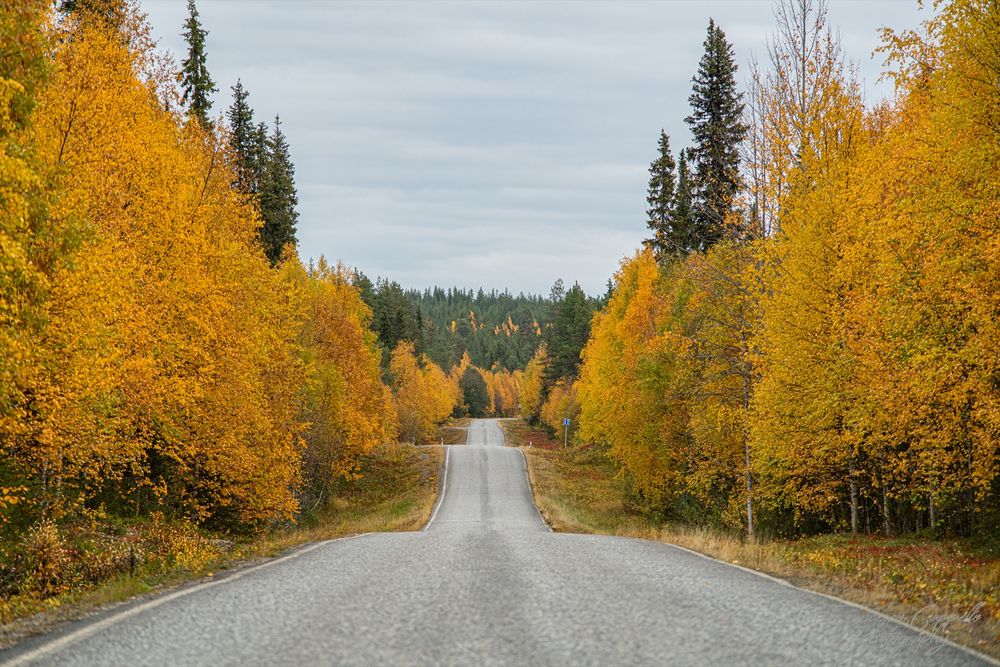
(501, 145)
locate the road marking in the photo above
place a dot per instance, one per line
(783, 582)
(93, 628)
(527, 478)
(444, 487)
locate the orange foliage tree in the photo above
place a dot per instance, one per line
(347, 408)
(504, 388)
(169, 378)
(532, 383)
(33, 244)
(150, 357)
(424, 395)
(835, 367)
(562, 403)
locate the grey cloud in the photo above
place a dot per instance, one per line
(492, 144)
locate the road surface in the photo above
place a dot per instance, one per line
(487, 583)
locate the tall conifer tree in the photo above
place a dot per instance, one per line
(196, 82)
(278, 198)
(568, 334)
(667, 240)
(716, 122)
(683, 212)
(247, 142)
(475, 395)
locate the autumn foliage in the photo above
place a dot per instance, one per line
(504, 388)
(562, 403)
(424, 394)
(532, 384)
(348, 408)
(834, 364)
(151, 359)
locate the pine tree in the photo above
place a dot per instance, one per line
(196, 82)
(475, 395)
(568, 334)
(394, 317)
(683, 212)
(717, 126)
(558, 291)
(366, 287)
(667, 240)
(260, 151)
(247, 142)
(278, 198)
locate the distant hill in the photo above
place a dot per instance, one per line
(493, 327)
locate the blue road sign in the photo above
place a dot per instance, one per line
(565, 421)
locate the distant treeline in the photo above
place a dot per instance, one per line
(496, 329)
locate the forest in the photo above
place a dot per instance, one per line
(164, 352)
(808, 340)
(495, 328)
(168, 364)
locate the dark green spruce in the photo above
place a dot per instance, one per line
(716, 123)
(567, 334)
(475, 396)
(672, 235)
(195, 80)
(278, 198)
(248, 142)
(683, 211)
(394, 317)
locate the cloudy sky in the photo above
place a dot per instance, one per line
(501, 145)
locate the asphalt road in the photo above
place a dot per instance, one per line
(486, 583)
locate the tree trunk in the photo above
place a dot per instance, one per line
(852, 484)
(746, 445)
(746, 453)
(886, 524)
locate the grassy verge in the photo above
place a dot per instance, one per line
(452, 432)
(948, 587)
(519, 433)
(396, 492)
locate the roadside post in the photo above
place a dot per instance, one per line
(565, 432)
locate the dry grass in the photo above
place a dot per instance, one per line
(574, 491)
(396, 493)
(453, 432)
(947, 587)
(519, 433)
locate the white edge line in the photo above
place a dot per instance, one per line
(97, 626)
(444, 487)
(965, 649)
(527, 478)
(532, 492)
